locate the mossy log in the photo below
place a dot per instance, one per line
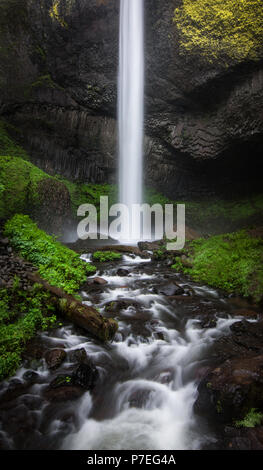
(81, 315)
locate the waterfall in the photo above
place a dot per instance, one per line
(130, 106)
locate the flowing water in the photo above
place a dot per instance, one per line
(148, 375)
(130, 106)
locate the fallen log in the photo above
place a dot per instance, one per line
(81, 315)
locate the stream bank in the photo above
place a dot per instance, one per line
(148, 388)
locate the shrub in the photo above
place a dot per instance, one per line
(252, 419)
(103, 256)
(21, 315)
(56, 263)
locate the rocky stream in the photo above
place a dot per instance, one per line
(185, 362)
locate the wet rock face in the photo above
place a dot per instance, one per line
(70, 387)
(170, 289)
(12, 267)
(203, 120)
(54, 358)
(232, 389)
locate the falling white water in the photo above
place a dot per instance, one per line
(130, 106)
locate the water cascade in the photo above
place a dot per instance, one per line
(130, 106)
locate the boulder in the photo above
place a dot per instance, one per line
(229, 391)
(150, 246)
(85, 376)
(100, 281)
(78, 355)
(54, 358)
(169, 289)
(122, 272)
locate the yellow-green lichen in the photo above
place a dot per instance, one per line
(55, 13)
(230, 29)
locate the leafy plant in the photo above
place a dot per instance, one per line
(21, 315)
(103, 256)
(252, 419)
(59, 265)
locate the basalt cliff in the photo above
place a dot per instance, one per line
(203, 103)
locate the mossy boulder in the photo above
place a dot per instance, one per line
(229, 391)
(29, 190)
(228, 31)
(56, 263)
(232, 262)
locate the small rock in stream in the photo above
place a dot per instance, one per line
(100, 281)
(54, 358)
(170, 289)
(122, 272)
(85, 376)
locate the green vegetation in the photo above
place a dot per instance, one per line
(151, 196)
(22, 313)
(252, 419)
(81, 193)
(207, 213)
(7, 144)
(19, 179)
(216, 215)
(233, 262)
(221, 30)
(45, 81)
(103, 256)
(56, 263)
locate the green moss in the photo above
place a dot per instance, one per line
(151, 196)
(7, 145)
(56, 263)
(227, 211)
(216, 215)
(233, 262)
(252, 419)
(159, 254)
(45, 81)
(103, 256)
(81, 193)
(232, 29)
(19, 179)
(21, 315)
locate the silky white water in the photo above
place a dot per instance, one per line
(147, 377)
(130, 107)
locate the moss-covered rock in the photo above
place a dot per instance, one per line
(29, 190)
(81, 193)
(59, 265)
(51, 200)
(232, 29)
(22, 313)
(232, 262)
(103, 256)
(7, 145)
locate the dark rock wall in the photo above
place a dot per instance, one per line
(203, 121)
